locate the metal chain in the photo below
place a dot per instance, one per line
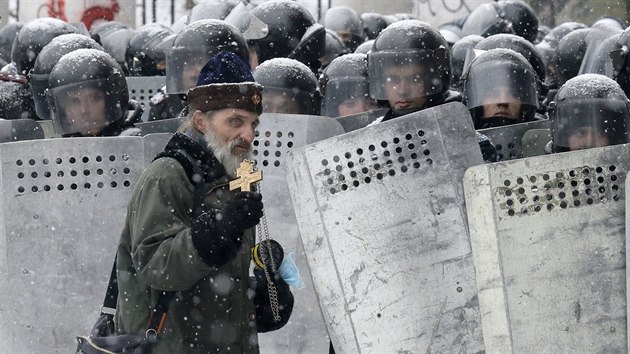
(265, 244)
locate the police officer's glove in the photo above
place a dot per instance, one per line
(217, 235)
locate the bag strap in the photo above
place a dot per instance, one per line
(158, 314)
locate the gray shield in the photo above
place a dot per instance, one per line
(20, 129)
(508, 139)
(360, 120)
(548, 236)
(534, 142)
(63, 207)
(278, 134)
(160, 126)
(142, 88)
(381, 215)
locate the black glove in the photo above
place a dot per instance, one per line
(217, 235)
(264, 315)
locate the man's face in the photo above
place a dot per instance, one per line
(230, 134)
(501, 103)
(356, 105)
(278, 102)
(586, 138)
(404, 86)
(85, 109)
(190, 74)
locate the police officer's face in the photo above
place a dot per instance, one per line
(190, 74)
(586, 138)
(279, 102)
(404, 86)
(355, 105)
(501, 103)
(85, 109)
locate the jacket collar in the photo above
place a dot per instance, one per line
(211, 168)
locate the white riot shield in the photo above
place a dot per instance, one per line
(360, 120)
(548, 236)
(381, 215)
(276, 135)
(63, 205)
(20, 129)
(143, 88)
(508, 139)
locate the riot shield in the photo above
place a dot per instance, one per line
(360, 120)
(63, 207)
(534, 142)
(548, 235)
(20, 129)
(160, 126)
(381, 215)
(142, 88)
(276, 135)
(49, 130)
(508, 139)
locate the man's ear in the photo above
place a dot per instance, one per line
(199, 121)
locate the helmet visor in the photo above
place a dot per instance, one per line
(278, 100)
(583, 123)
(84, 108)
(407, 75)
(348, 91)
(493, 83)
(182, 68)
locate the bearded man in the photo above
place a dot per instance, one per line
(188, 235)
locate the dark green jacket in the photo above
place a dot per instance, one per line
(213, 310)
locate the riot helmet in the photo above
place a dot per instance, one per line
(365, 47)
(569, 54)
(16, 98)
(194, 46)
(500, 88)
(144, 56)
(211, 10)
(373, 24)
(345, 86)
(409, 66)
(87, 93)
(451, 31)
(609, 21)
(519, 45)
(288, 87)
(542, 32)
(45, 62)
(7, 35)
(503, 16)
(459, 52)
(599, 43)
(621, 60)
(115, 43)
(33, 36)
(105, 28)
(334, 48)
(347, 24)
(250, 26)
(293, 33)
(590, 110)
(555, 35)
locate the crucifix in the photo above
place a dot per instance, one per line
(246, 177)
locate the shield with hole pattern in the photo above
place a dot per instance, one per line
(63, 207)
(508, 139)
(276, 135)
(143, 88)
(548, 239)
(360, 120)
(381, 215)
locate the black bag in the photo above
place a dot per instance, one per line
(103, 337)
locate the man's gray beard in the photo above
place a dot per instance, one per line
(223, 152)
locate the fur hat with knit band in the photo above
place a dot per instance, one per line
(225, 82)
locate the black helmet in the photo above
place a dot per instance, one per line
(555, 35)
(7, 35)
(249, 25)
(105, 28)
(410, 43)
(334, 48)
(288, 87)
(451, 31)
(16, 98)
(45, 62)
(87, 92)
(144, 56)
(542, 32)
(194, 46)
(373, 24)
(609, 21)
(503, 16)
(500, 88)
(590, 110)
(347, 24)
(621, 61)
(115, 43)
(600, 41)
(293, 33)
(345, 81)
(365, 47)
(569, 54)
(211, 10)
(33, 37)
(459, 52)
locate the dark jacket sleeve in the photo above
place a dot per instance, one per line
(264, 315)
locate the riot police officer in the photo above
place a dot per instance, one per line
(145, 55)
(347, 24)
(345, 86)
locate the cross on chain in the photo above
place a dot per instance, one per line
(246, 177)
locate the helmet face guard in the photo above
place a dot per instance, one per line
(280, 100)
(342, 89)
(390, 69)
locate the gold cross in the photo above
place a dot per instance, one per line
(246, 177)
